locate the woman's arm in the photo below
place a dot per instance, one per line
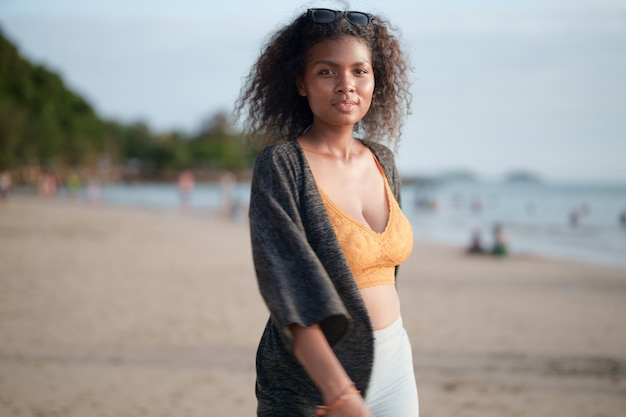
(312, 350)
(289, 272)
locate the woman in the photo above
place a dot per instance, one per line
(326, 228)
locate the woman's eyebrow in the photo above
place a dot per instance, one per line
(335, 64)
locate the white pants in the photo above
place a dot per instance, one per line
(392, 391)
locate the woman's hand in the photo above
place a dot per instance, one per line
(318, 359)
(353, 406)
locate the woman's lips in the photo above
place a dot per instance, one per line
(345, 105)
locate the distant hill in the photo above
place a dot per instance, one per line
(524, 177)
(45, 126)
(40, 118)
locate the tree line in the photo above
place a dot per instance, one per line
(46, 127)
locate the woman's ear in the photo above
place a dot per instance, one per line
(300, 87)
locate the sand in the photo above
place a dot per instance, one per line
(110, 311)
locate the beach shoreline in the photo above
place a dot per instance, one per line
(119, 311)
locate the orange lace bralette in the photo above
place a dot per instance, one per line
(372, 256)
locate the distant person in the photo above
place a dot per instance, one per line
(186, 183)
(93, 189)
(228, 205)
(476, 246)
(48, 185)
(500, 242)
(5, 185)
(585, 209)
(476, 205)
(622, 218)
(574, 217)
(73, 184)
(427, 203)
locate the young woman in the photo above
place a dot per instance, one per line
(326, 227)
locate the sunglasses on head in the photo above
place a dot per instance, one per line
(329, 16)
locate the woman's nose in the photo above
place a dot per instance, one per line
(345, 84)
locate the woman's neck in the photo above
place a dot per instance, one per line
(339, 144)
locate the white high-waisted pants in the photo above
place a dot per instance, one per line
(392, 391)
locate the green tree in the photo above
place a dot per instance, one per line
(44, 122)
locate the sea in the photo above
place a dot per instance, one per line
(578, 222)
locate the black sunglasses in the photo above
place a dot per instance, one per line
(329, 16)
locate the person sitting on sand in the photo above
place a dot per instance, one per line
(476, 246)
(500, 244)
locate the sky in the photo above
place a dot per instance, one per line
(498, 86)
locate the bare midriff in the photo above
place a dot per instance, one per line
(383, 305)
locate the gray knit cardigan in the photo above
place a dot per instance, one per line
(303, 278)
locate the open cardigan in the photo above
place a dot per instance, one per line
(304, 279)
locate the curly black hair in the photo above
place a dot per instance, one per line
(276, 112)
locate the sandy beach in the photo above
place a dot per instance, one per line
(114, 311)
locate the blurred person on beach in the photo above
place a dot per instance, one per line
(186, 182)
(48, 185)
(227, 197)
(93, 189)
(574, 217)
(5, 186)
(476, 245)
(73, 184)
(476, 205)
(325, 101)
(500, 241)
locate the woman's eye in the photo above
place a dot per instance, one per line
(326, 72)
(360, 72)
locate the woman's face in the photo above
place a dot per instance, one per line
(338, 82)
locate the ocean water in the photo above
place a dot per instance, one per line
(537, 218)
(562, 221)
(204, 197)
